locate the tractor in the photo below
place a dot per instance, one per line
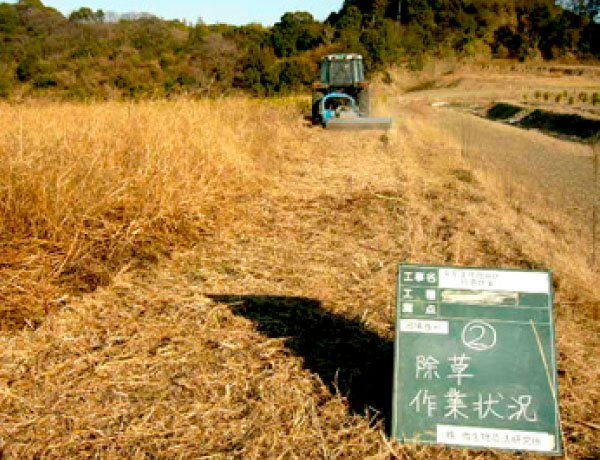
(342, 98)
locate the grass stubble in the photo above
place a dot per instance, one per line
(135, 238)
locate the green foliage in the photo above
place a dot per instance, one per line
(250, 37)
(31, 4)
(9, 19)
(28, 68)
(121, 81)
(507, 42)
(5, 87)
(258, 72)
(296, 32)
(296, 74)
(44, 80)
(589, 42)
(351, 19)
(150, 36)
(416, 62)
(198, 34)
(382, 43)
(85, 57)
(87, 49)
(86, 15)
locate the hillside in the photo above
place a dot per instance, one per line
(86, 57)
(215, 279)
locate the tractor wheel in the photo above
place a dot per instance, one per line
(364, 102)
(316, 99)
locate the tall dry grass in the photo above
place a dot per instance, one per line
(271, 338)
(88, 189)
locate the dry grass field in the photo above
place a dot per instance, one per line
(215, 279)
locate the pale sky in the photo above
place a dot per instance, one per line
(236, 12)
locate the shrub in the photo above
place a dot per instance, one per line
(416, 62)
(121, 81)
(537, 94)
(296, 73)
(28, 67)
(596, 98)
(296, 32)
(5, 87)
(44, 80)
(258, 71)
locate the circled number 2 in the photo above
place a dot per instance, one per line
(479, 336)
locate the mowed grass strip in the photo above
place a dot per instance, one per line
(270, 337)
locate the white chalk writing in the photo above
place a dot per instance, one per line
(458, 366)
(455, 403)
(424, 401)
(427, 368)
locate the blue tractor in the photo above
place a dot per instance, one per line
(342, 98)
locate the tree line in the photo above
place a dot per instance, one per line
(93, 54)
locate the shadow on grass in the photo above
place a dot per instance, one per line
(347, 356)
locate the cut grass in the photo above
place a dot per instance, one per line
(237, 344)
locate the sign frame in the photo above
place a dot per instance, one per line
(442, 291)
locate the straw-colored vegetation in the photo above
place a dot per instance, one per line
(244, 265)
(88, 190)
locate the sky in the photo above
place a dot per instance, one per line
(235, 12)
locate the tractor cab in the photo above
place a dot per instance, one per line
(342, 70)
(342, 98)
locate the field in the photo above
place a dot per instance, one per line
(215, 279)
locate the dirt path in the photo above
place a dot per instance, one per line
(561, 170)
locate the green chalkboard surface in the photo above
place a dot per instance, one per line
(475, 359)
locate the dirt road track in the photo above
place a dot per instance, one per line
(561, 171)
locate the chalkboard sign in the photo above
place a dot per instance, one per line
(475, 360)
